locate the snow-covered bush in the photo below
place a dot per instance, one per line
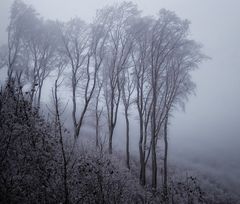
(29, 163)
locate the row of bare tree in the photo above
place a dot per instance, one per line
(121, 58)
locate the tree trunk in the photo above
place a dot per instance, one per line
(142, 177)
(39, 95)
(127, 139)
(110, 139)
(143, 173)
(59, 125)
(154, 165)
(74, 108)
(153, 136)
(165, 170)
(97, 129)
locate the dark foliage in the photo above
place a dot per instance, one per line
(29, 165)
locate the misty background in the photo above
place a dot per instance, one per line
(207, 133)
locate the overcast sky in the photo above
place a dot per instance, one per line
(211, 121)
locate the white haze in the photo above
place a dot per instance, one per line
(208, 132)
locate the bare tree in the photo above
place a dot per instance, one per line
(127, 93)
(99, 35)
(98, 111)
(49, 43)
(157, 42)
(178, 86)
(59, 126)
(75, 43)
(42, 41)
(166, 35)
(84, 47)
(117, 56)
(21, 19)
(30, 48)
(140, 58)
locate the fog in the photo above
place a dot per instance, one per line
(206, 134)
